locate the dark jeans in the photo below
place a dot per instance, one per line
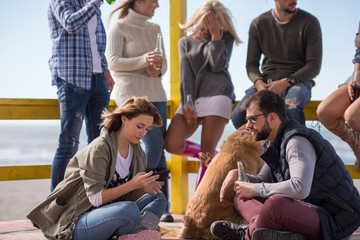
(77, 104)
(300, 92)
(154, 140)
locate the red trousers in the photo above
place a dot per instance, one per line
(279, 212)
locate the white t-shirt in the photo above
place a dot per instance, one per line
(122, 166)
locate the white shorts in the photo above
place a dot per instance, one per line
(218, 105)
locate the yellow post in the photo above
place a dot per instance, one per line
(179, 171)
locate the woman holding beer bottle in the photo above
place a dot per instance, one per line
(207, 93)
(345, 102)
(137, 65)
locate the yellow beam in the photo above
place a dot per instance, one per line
(8, 173)
(29, 109)
(25, 172)
(179, 170)
(310, 110)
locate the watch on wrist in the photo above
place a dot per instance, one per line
(291, 80)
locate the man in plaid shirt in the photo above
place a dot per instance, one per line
(79, 70)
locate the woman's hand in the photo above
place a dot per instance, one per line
(205, 158)
(357, 41)
(231, 177)
(351, 91)
(154, 187)
(213, 25)
(152, 72)
(142, 180)
(186, 110)
(153, 58)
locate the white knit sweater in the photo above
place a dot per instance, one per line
(129, 39)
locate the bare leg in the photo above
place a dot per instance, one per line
(177, 133)
(213, 128)
(330, 113)
(333, 107)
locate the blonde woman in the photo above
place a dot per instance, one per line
(204, 61)
(96, 198)
(131, 58)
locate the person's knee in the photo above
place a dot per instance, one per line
(294, 111)
(171, 146)
(352, 120)
(323, 113)
(274, 204)
(291, 103)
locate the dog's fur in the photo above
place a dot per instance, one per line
(205, 207)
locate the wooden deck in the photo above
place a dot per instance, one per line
(23, 229)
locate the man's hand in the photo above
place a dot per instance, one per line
(109, 81)
(231, 177)
(279, 86)
(243, 190)
(260, 85)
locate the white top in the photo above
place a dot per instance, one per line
(96, 59)
(129, 39)
(122, 166)
(218, 105)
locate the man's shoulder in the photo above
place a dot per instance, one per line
(264, 17)
(304, 14)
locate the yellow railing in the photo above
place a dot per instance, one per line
(12, 109)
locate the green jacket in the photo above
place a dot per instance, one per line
(90, 171)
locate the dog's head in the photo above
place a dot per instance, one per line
(243, 147)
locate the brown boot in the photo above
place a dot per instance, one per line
(351, 137)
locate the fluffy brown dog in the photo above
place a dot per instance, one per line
(205, 207)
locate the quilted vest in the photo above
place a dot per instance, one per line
(333, 193)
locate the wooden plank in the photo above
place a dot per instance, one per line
(8, 173)
(33, 109)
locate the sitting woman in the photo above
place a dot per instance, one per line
(97, 198)
(204, 77)
(344, 102)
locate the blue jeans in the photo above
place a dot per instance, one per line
(119, 217)
(76, 104)
(300, 92)
(154, 140)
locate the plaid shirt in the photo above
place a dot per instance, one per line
(71, 58)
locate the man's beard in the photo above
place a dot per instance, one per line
(290, 11)
(263, 133)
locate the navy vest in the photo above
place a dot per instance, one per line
(333, 193)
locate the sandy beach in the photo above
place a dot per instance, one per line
(19, 197)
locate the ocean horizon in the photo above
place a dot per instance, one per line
(34, 142)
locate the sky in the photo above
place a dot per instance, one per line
(25, 45)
